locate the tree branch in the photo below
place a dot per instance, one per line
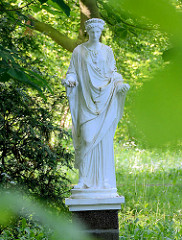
(88, 9)
(135, 26)
(55, 35)
(129, 24)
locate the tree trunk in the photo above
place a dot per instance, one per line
(88, 9)
(61, 39)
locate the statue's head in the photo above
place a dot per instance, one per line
(94, 23)
(94, 27)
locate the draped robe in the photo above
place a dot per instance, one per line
(96, 105)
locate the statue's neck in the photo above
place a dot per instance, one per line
(93, 45)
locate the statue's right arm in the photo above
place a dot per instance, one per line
(71, 75)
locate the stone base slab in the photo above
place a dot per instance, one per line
(102, 224)
(95, 204)
(91, 193)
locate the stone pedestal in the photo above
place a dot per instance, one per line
(100, 215)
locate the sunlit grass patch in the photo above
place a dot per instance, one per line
(151, 182)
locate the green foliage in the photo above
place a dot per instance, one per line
(28, 158)
(163, 229)
(121, 22)
(156, 110)
(30, 227)
(51, 5)
(25, 230)
(13, 63)
(155, 11)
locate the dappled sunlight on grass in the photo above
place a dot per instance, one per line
(151, 182)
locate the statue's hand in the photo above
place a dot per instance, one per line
(123, 87)
(72, 83)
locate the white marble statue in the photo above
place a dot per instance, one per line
(96, 94)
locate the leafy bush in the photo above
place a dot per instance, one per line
(33, 147)
(25, 230)
(28, 158)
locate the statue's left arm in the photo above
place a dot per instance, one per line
(116, 77)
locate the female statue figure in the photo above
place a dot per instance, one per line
(96, 94)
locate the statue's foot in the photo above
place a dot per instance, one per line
(80, 185)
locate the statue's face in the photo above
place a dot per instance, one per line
(94, 34)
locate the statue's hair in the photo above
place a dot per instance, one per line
(94, 22)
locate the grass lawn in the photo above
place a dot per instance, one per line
(151, 182)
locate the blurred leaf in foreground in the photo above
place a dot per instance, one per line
(157, 108)
(160, 12)
(14, 203)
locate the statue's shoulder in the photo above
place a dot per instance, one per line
(107, 48)
(77, 49)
